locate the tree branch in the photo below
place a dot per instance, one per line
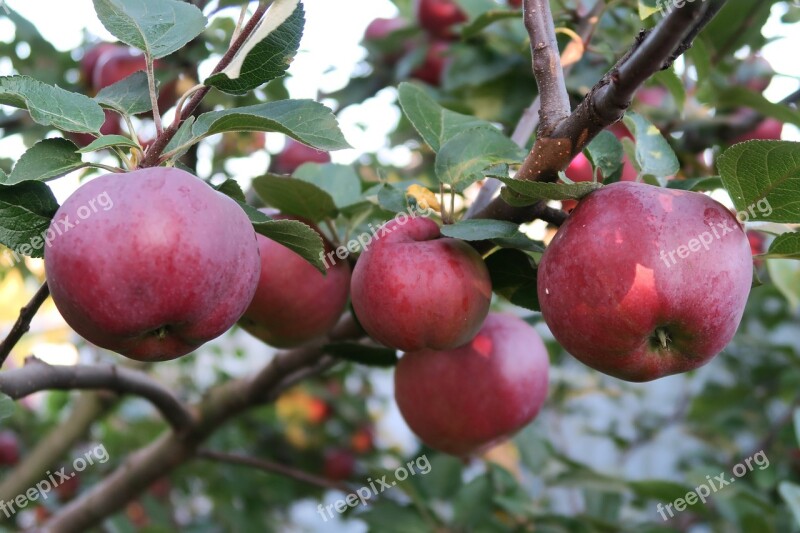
(23, 323)
(546, 64)
(274, 468)
(37, 376)
(153, 157)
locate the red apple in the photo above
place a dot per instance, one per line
(338, 464)
(755, 73)
(116, 64)
(380, 28)
(652, 96)
(432, 67)
(151, 264)
(466, 400)
(580, 169)
(438, 16)
(295, 154)
(9, 448)
(90, 58)
(414, 289)
(515, 3)
(295, 302)
(68, 489)
(643, 282)
(767, 130)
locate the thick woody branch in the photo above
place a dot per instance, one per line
(172, 449)
(23, 323)
(546, 64)
(37, 376)
(153, 157)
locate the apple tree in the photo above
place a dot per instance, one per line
(562, 295)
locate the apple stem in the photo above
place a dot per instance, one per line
(662, 337)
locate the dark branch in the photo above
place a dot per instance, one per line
(274, 468)
(153, 157)
(23, 323)
(37, 376)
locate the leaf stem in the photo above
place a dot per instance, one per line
(151, 82)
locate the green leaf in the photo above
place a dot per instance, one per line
(791, 495)
(181, 139)
(267, 53)
(341, 182)
(709, 183)
(295, 197)
(392, 199)
(653, 153)
(785, 246)
(52, 106)
(26, 210)
(362, 354)
(388, 517)
(461, 160)
(434, 123)
(304, 120)
(763, 180)
(605, 152)
(796, 417)
(296, 236)
(513, 276)
(158, 27)
(669, 79)
(525, 192)
(7, 406)
(107, 141)
(481, 229)
(129, 96)
(744, 97)
(785, 275)
(487, 18)
(232, 189)
(46, 160)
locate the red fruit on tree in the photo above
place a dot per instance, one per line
(515, 3)
(295, 302)
(432, 67)
(438, 16)
(755, 73)
(9, 448)
(652, 96)
(468, 399)
(68, 489)
(111, 126)
(768, 129)
(151, 264)
(116, 64)
(414, 289)
(295, 154)
(90, 58)
(580, 169)
(380, 28)
(338, 464)
(642, 282)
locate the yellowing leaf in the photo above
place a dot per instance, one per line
(426, 199)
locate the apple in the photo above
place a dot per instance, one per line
(652, 96)
(338, 464)
(380, 28)
(152, 263)
(642, 282)
(115, 64)
(9, 448)
(468, 399)
(755, 73)
(580, 169)
(414, 289)
(90, 58)
(111, 126)
(68, 489)
(295, 302)
(432, 67)
(438, 16)
(515, 3)
(362, 440)
(767, 130)
(295, 154)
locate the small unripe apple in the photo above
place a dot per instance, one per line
(295, 302)
(9, 448)
(432, 67)
(152, 263)
(642, 282)
(468, 399)
(768, 129)
(438, 16)
(414, 289)
(295, 154)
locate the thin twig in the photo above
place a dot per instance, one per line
(37, 376)
(23, 323)
(274, 468)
